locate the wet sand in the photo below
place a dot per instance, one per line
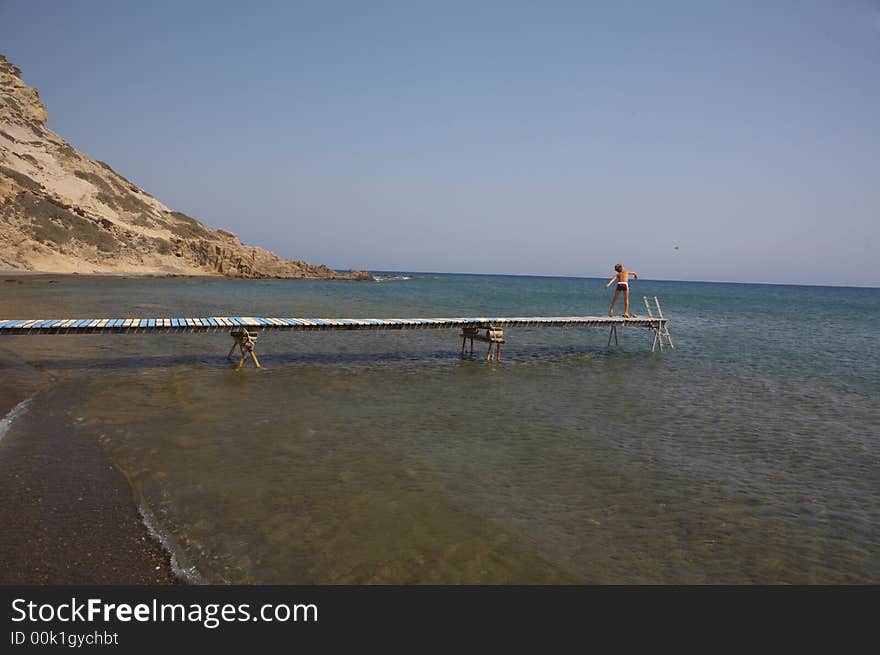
(68, 516)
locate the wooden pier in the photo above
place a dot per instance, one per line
(244, 329)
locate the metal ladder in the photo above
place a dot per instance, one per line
(662, 328)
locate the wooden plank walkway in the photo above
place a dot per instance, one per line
(139, 325)
(244, 329)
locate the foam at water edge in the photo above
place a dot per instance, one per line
(183, 570)
(390, 278)
(16, 411)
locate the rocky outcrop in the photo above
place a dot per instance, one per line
(61, 211)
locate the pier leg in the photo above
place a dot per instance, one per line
(613, 333)
(468, 333)
(498, 352)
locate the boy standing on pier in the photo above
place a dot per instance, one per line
(622, 278)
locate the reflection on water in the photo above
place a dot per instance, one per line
(746, 455)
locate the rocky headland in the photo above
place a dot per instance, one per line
(63, 212)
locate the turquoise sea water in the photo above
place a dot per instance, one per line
(749, 454)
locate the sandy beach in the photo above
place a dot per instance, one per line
(68, 515)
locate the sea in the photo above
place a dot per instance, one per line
(748, 454)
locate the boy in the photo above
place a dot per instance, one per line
(622, 278)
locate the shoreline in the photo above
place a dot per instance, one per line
(341, 277)
(69, 515)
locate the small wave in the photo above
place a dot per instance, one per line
(16, 411)
(391, 278)
(186, 572)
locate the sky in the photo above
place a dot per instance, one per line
(686, 139)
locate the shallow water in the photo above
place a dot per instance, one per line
(750, 453)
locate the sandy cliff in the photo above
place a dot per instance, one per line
(61, 211)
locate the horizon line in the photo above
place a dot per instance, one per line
(602, 277)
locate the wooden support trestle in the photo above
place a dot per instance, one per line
(245, 340)
(494, 337)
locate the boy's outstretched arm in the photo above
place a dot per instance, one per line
(634, 274)
(610, 282)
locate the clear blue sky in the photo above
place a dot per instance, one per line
(548, 138)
